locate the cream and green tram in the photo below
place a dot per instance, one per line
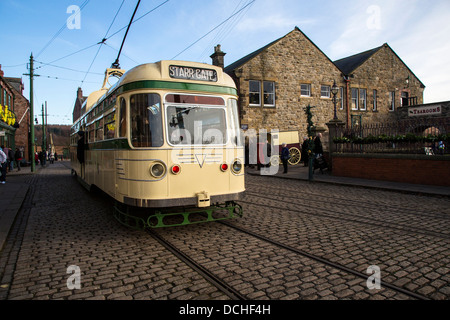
(164, 142)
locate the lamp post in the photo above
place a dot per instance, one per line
(334, 91)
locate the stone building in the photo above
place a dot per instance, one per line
(277, 82)
(377, 83)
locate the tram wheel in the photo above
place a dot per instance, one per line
(295, 156)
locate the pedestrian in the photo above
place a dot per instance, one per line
(36, 158)
(18, 157)
(4, 164)
(305, 156)
(318, 150)
(11, 159)
(285, 157)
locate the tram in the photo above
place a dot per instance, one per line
(164, 143)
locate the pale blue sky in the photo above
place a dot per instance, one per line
(417, 30)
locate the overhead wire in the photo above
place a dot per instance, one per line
(216, 27)
(105, 39)
(60, 30)
(102, 42)
(224, 31)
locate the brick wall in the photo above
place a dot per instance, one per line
(427, 170)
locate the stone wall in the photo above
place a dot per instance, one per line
(385, 72)
(294, 60)
(290, 62)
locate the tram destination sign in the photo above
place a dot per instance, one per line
(191, 73)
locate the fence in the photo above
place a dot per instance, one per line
(411, 136)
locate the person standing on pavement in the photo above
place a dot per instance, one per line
(4, 164)
(18, 157)
(285, 157)
(305, 155)
(11, 159)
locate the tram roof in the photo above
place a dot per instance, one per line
(159, 71)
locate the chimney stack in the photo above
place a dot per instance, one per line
(1, 71)
(79, 93)
(218, 57)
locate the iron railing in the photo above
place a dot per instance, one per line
(411, 136)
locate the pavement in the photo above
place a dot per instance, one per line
(15, 190)
(13, 193)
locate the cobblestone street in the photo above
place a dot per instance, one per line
(338, 232)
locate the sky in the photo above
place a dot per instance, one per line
(68, 52)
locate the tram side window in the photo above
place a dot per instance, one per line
(99, 130)
(110, 126)
(91, 133)
(146, 123)
(123, 118)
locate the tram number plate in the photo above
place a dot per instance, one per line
(190, 73)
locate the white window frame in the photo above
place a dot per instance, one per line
(392, 101)
(363, 99)
(341, 94)
(327, 91)
(354, 100)
(254, 92)
(268, 93)
(308, 88)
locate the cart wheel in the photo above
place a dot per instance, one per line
(275, 160)
(295, 156)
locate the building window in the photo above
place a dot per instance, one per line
(341, 95)
(362, 99)
(325, 91)
(305, 90)
(405, 99)
(392, 101)
(255, 93)
(375, 102)
(355, 99)
(269, 93)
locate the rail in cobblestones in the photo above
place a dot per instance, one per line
(324, 261)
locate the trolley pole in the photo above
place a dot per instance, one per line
(43, 132)
(31, 152)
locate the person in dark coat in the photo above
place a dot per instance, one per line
(285, 157)
(318, 150)
(305, 156)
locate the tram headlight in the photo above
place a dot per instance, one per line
(236, 166)
(157, 170)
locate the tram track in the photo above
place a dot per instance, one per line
(209, 276)
(236, 295)
(323, 260)
(343, 216)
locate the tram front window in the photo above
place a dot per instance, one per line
(146, 123)
(196, 125)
